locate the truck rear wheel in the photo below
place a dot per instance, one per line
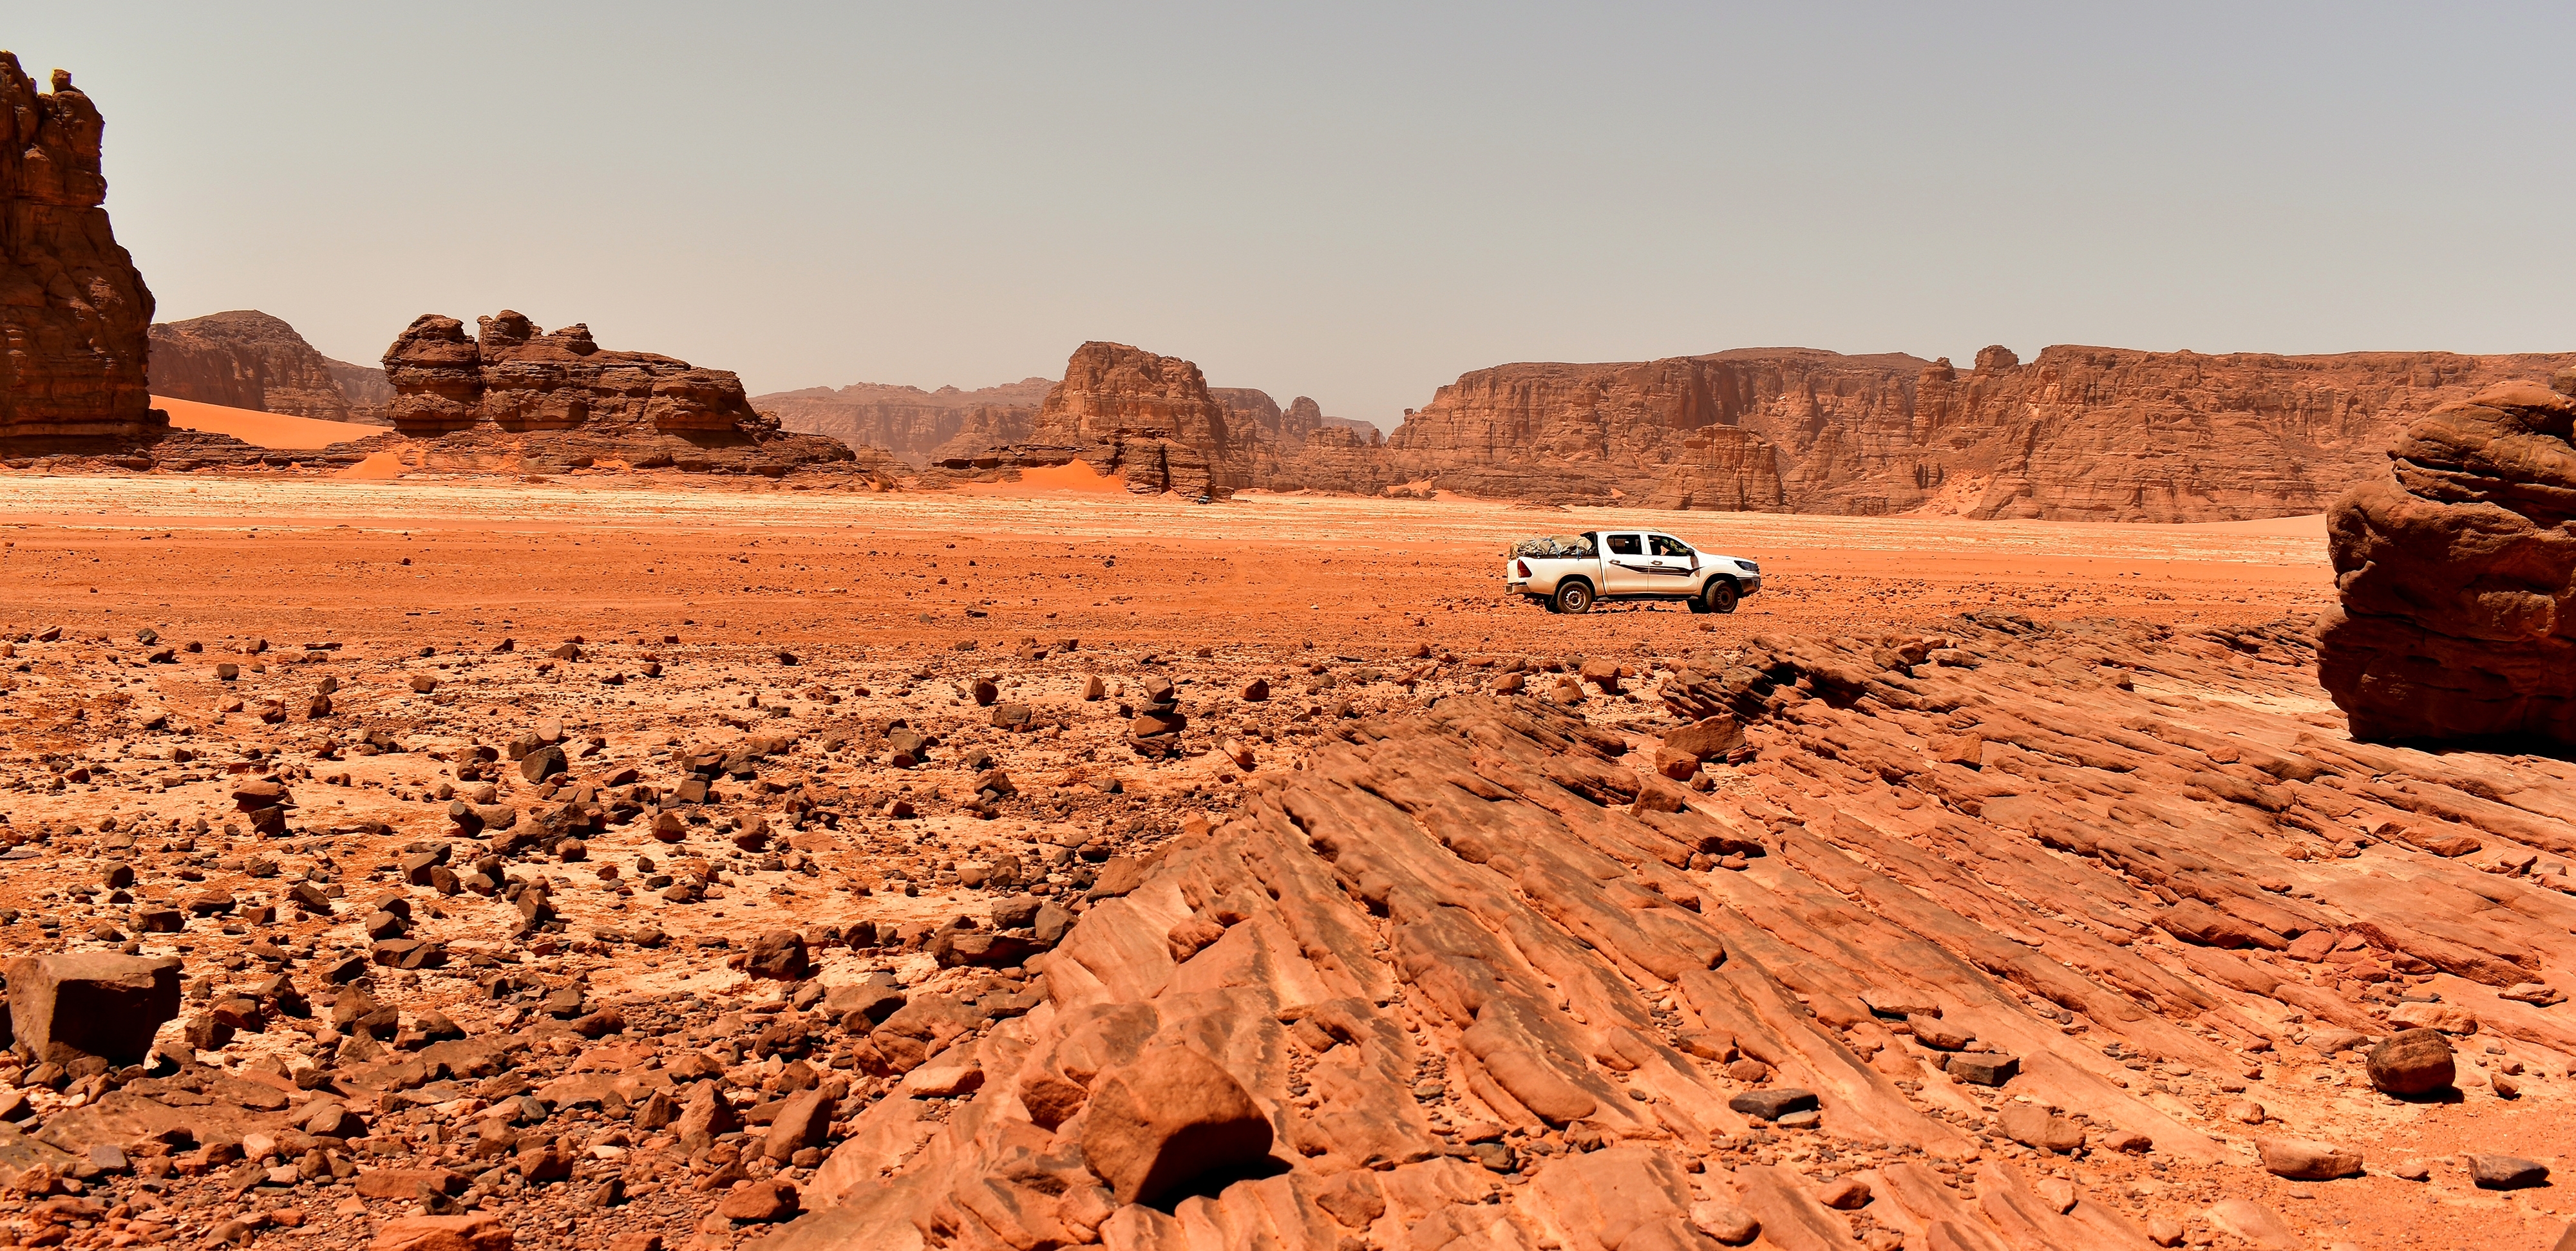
(1574, 597)
(1720, 595)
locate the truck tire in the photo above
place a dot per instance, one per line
(1574, 597)
(1720, 595)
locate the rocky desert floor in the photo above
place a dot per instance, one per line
(626, 857)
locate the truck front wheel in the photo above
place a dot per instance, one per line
(1574, 597)
(1720, 595)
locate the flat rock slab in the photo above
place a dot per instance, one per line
(2506, 1172)
(1772, 1104)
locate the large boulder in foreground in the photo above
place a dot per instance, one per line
(2413, 1062)
(2456, 571)
(69, 1005)
(1172, 1118)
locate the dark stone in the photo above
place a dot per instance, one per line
(1772, 1104)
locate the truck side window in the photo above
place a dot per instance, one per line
(1667, 545)
(1624, 545)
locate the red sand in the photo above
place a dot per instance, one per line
(271, 430)
(1075, 477)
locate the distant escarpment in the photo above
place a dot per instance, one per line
(249, 359)
(516, 393)
(73, 311)
(917, 426)
(2079, 434)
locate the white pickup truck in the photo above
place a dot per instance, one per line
(1571, 573)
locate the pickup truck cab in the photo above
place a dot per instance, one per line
(1572, 573)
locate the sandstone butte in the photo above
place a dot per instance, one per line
(72, 308)
(2456, 568)
(515, 395)
(249, 359)
(2081, 433)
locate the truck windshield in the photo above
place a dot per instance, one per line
(1624, 545)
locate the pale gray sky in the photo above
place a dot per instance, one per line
(1351, 202)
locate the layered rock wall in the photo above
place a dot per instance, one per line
(917, 426)
(2457, 574)
(245, 359)
(74, 314)
(2080, 433)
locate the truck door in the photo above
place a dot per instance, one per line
(1671, 563)
(1624, 570)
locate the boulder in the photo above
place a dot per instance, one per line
(1168, 1121)
(67, 1006)
(767, 1199)
(779, 955)
(2506, 1172)
(2035, 1126)
(1773, 1103)
(2412, 1062)
(2454, 572)
(2300, 1159)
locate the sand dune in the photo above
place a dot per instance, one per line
(263, 429)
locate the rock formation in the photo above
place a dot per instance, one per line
(247, 359)
(2457, 572)
(1125, 411)
(2078, 434)
(73, 311)
(917, 426)
(513, 389)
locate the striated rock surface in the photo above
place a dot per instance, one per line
(1492, 983)
(74, 313)
(917, 426)
(513, 388)
(247, 359)
(2080, 433)
(2456, 570)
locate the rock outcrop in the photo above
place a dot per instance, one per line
(2457, 574)
(246, 359)
(1128, 412)
(74, 314)
(917, 426)
(1492, 982)
(514, 390)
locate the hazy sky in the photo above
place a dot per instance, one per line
(1354, 203)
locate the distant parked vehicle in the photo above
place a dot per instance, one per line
(1572, 573)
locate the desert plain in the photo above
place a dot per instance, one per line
(172, 633)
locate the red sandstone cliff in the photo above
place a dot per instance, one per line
(2078, 434)
(917, 426)
(73, 311)
(246, 359)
